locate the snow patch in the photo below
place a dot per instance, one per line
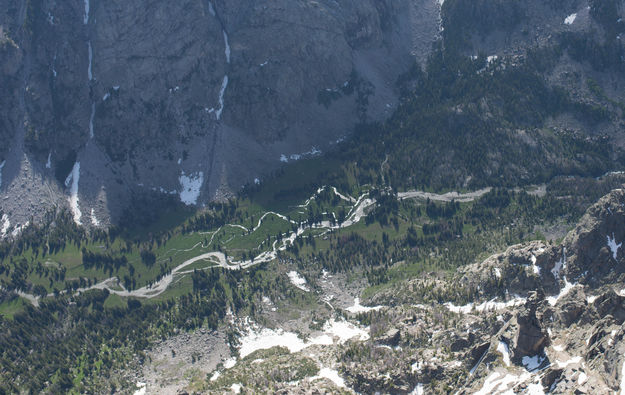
(345, 331)
(497, 272)
(582, 378)
(570, 19)
(330, 374)
(298, 281)
(236, 388)
(567, 288)
(613, 246)
(49, 162)
(502, 347)
(191, 186)
(94, 220)
(229, 363)
(532, 363)
(591, 299)
(269, 338)
(491, 305)
(106, 96)
(215, 376)
(358, 308)
(142, 389)
(571, 361)
(211, 9)
(73, 177)
(418, 390)
(535, 268)
(19, 228)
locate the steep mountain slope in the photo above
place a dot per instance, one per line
(192, 98)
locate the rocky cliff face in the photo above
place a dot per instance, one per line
(544, 317)
(192, 98)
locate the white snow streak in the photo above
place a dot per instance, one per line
(502, 347)
(49, 162)
(491, 305)
(86, 16)
(358, 308)
(91, 134)
(553, 300)
(613, 246)
(224, 85)
(73, 177)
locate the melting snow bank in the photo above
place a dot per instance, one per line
(73, 178)
(191, 186)
(256, 338)
(298, 281)
(567, 288)
(142, 388)
(498, 383)
(418, 390)
(330, 374)
(502, 347)
(89, 73)
(295, 157)
(613, 246)
(1, 166)
(570, 19)
(358, 308)
(491, 305)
